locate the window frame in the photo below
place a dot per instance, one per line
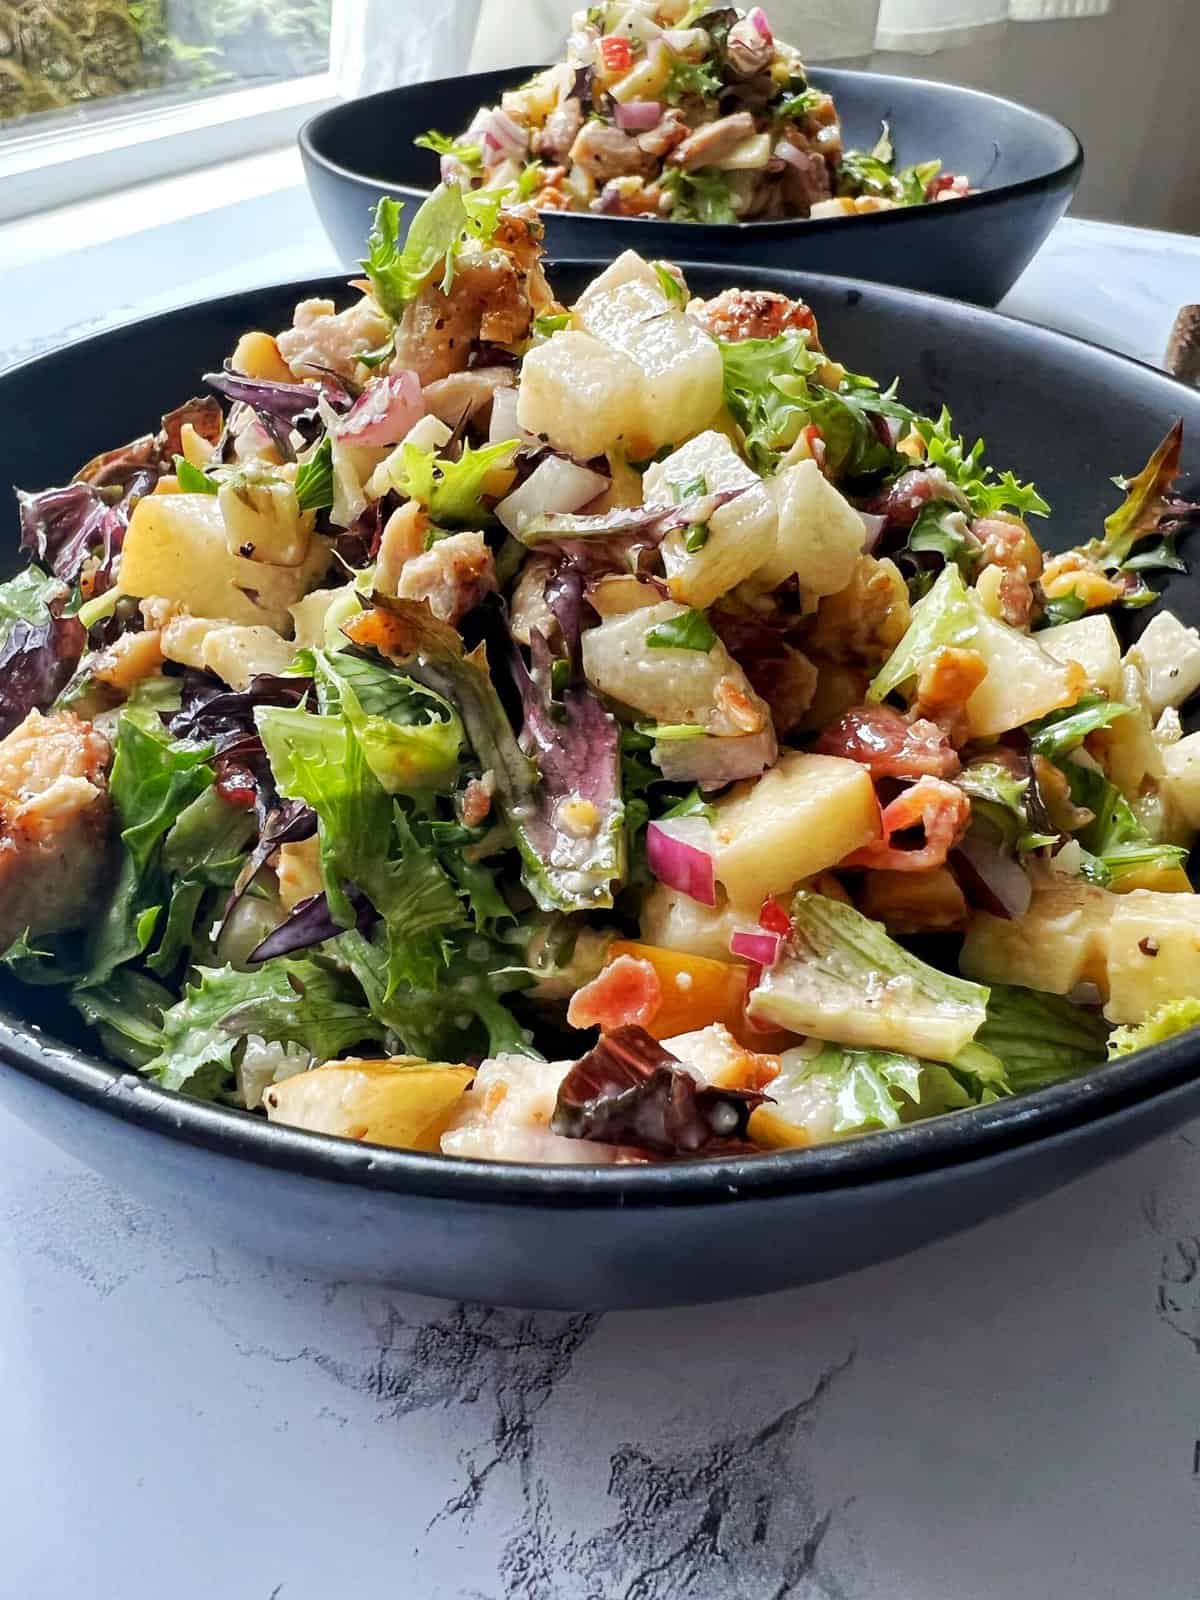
(51, 167)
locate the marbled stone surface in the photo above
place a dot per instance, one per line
(1013, 1413)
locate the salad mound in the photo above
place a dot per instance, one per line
(664, 108)
(604, 733)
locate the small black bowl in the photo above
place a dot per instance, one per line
(1062, 412)
(1025, 165)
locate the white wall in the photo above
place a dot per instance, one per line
(1125, 82)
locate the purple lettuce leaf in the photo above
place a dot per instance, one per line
(563, 871)
(37, 661)
(311, 922)
(646, 525)
(281, 822)
(629, 1090)
(60, 526)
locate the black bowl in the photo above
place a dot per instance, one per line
(1026, 166)
(1067, 414)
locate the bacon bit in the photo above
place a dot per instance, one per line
(1016, 599)
(738, 314)
(742, 711)
(1007, 542)
(907, 497)
(616, 53)
(886, 744)
(477, 799)
(627, 991)
(235, 791)
(941, 809)
(815, 440)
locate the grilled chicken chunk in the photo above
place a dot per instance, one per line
(54, 816)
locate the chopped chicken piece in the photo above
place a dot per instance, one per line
(713, 142)
(54, 815)
(505, 1116)
(736, 314)
(452, 578)
(321, 337)
(605, 152)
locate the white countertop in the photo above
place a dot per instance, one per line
(1011, 1415)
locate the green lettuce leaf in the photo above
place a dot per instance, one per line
(366, 839)
(1059, 732)
(284, 1001)
(1041, 1038)
(841, 977)
(1146, 500)
(1175, 1017)
(968, 471)
(1000, 799)
(451, 491)
(26, 598)
(127, 1012)
(410, 736)
(470, 154)
(442, 226)
(153, 780)
(753, 372)
(465, 1016)
(699, 196)
(946, 616)
(1115, 842)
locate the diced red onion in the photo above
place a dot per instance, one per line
(995, 880)
(555, 485)
(874, 526)
(1085, 994)
(384, 412)
(512, 137)
(760, 948)
(676, 857)
(713, 762)
(786, 151)
(757, 18)
(638, 116)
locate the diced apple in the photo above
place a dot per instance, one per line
(739, 534)
(404, 1101)
(1168, 656)
(1023, 681)
(629, 267)
(1181, 782)
(714, 1055)
(176, 548)
(235, 653)
(1093, 643)
(820, 535)
(806, 814)
(1153, 953)
(681, 375)
(506, 1117)
(667, 683)
(672, 920)
(581, 396)
(1061, 941)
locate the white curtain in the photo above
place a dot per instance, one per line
(929, 25)
(377, 43)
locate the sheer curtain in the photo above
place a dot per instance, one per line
(377, 43)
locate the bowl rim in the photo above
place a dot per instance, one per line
(1065, 174)
(884, 1156)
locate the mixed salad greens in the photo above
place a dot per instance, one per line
(668, 108)
(598, 733)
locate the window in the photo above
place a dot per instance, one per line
(97, 94)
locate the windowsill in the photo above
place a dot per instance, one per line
(90, 265)
(63, 164)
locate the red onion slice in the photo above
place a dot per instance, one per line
(786, 151)
(384, 412)
(993, 879)
(638, 116)
(676, 855)
(757, 18)
(760, 948)
(874, 526)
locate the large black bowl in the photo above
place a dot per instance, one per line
(1065, 413)
(1025, 165)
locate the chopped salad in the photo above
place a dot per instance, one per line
(664, 108)
(598, 733)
